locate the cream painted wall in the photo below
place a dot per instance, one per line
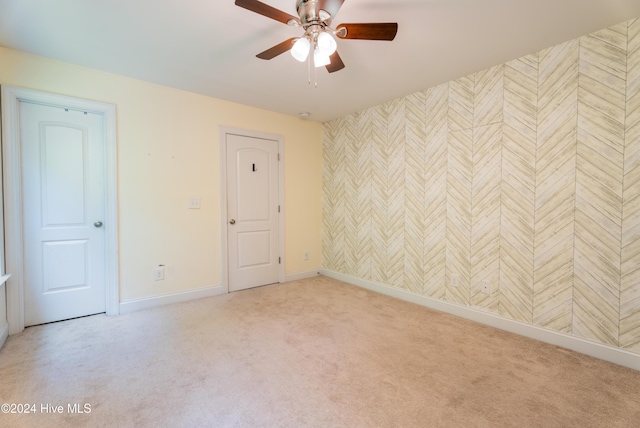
(168, 151)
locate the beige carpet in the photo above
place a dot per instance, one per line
(311, 353)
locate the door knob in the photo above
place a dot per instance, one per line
(232, 221)
(98, 224)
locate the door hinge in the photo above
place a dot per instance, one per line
(278, 156)
(279, 260)
(278, 208)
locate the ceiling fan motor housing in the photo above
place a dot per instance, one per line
(310, 14)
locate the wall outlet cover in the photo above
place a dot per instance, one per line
(454, 280)
(486, 287)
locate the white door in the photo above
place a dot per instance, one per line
(252, 203)
(63, 197)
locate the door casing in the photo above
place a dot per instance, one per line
(224, 257)
(11, 97)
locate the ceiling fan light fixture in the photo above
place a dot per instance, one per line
(300, 49)
(326, 44)
(320, 59)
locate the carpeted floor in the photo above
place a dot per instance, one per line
(310, 353)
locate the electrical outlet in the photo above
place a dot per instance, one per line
(158, 273)
(454, 280)
(306, 255)
(486, 288)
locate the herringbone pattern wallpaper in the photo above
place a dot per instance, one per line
(599, 175)
(515, 190)
(630, 266)
(555, 186)
(518, 187)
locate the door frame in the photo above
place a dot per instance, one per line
(224, 256)
(12, 187)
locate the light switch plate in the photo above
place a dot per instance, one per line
(194, 203)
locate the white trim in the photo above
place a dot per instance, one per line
(168, 299)
(4, 279)
(11, 98)
(224, 260)
(594, 349)
(301, 275)
(4, 334)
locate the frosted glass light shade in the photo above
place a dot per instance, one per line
(300, 49)
(326, 44)
(320, 59)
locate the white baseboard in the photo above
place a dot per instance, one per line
(4, 333)
(587, 347)
(135, 305)
(167, 299)
(301, 275)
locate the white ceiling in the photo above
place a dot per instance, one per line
(209, 46)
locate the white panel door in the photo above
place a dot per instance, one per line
(63, 197)
(252, 201)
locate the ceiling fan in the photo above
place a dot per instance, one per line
(317, 43)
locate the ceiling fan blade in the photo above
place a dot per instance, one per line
(277, 49)
(331, 6)
(371, 31)
(336, 63)
(266, 10)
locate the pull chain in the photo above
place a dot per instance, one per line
(310, 65)
(309, 68)
(315, 72)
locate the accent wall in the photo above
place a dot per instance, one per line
(514, 190)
